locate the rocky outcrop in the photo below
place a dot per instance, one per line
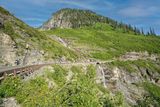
(138, 55)
(9, 102)
(15, 35)
(73, 18)
(60, 40)
(128, 83)
(7, 50)
(9, 53)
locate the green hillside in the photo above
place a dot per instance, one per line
(23, 34)
(103, 42)
(77, 18)
(99, 62)
(80, 90)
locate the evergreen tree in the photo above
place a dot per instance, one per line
(142, 31)
(151, 32)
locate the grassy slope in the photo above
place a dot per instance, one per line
(130, 65)
(154, 92)
(107, 43)
(80, 91)
(23, 34)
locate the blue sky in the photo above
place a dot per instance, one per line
(140, 13)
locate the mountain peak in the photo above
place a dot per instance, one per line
(74, 10)
(73, 18)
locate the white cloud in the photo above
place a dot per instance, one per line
(138, 11)
(78, 3)
(87, 4)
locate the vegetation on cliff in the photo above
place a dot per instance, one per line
(76, 18)
(23, 34)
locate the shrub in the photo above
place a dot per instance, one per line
(10, 86)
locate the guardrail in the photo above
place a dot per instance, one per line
(19, 70)
(14, 70)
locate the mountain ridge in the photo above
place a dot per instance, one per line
(77, 18)
(70, 18)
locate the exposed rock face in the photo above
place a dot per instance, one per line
(73, 18)
(138, 55)
(7, 50)
(14, 36)
(125, 83)
(118, 79)
(9, 56)
(10, 102)
(60, 40)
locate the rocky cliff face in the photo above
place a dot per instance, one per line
(73, 18)
(14, 36)
(8, 52)
(22, 44)
(133, 85)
